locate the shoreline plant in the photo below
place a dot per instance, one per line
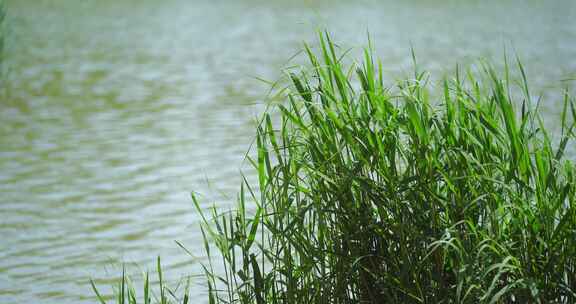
(3, 38)
(375, 194)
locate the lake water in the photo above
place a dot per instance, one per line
(115, 111)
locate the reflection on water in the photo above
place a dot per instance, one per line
(118, 109)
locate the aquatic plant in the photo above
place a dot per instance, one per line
(369, 194)
(2, 37)
(125, 292)
(375, 194)
(3, 51)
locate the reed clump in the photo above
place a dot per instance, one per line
(2, 44)
(369, 194)
(375, 194)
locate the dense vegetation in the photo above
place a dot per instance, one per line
(370, 194)
(3, 38)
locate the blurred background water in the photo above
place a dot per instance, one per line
(114, 111)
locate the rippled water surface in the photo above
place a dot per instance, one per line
(116, 110)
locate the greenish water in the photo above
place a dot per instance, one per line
(116, 110)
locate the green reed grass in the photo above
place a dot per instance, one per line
(125, 292)
(3, 41)
(375, 194)
(2, 34)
